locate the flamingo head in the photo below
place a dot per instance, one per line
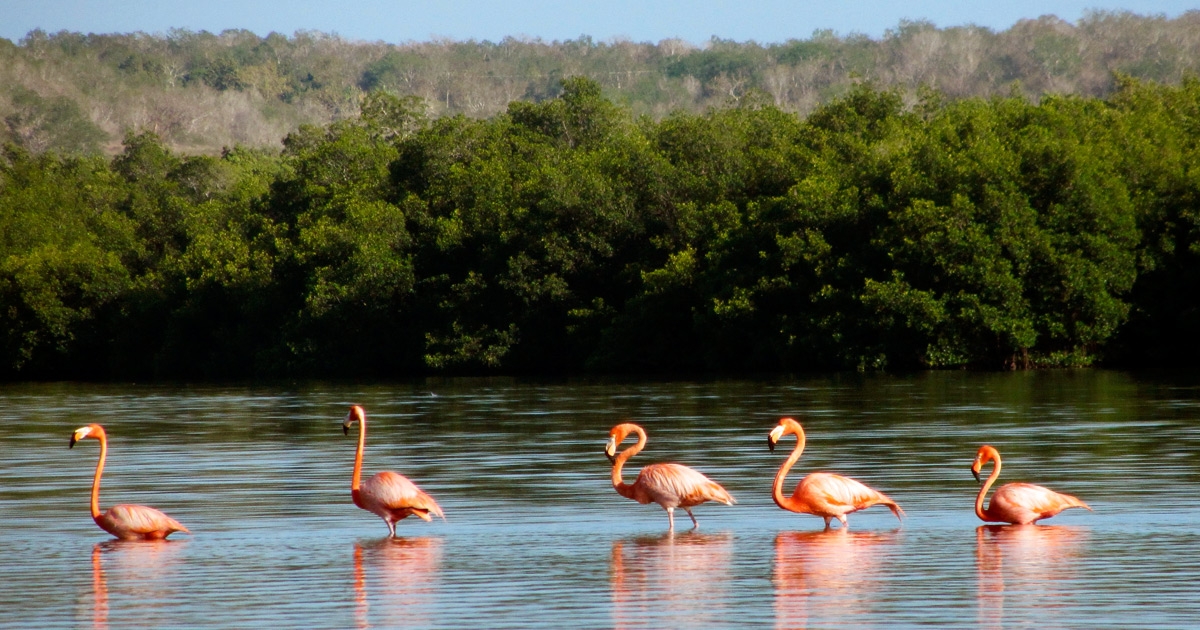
(90, 431)
(356, 415)
(615, 437)
(985, 454)
(785, 426)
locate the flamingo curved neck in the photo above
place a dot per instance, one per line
(787, 503)
(980, 511)
(623, 488)
(96, 481)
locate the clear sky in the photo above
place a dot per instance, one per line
(399, 21)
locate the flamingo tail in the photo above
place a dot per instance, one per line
(720, 495)
(1075, 502)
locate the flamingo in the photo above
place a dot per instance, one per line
(388, 494)
(127, 522)
(821, 494)
(1017, 503)
(669, 485)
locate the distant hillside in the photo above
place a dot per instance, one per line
(200, 92)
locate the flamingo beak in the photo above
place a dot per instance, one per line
(610, 450)
(773, 437)
(976, 473)
(79, 434)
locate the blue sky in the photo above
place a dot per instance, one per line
(399, 21)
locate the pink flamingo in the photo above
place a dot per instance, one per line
(821, 494)
(669, 485)
(388, 494)
(127, 522)
(1017, 503)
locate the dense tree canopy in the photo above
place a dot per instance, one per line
(570, 235)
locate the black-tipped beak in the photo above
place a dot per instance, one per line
(771, 443)
(612, 459)
(345, 429)
(72, 445)
(977, 479)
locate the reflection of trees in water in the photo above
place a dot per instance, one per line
(671, 580)
(136, 572)
(827, 577)
(1020, 569)
(395, 582)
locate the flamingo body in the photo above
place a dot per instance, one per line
(126, 522)
(827, 495)
(669, 485)
(387, 494)
(393, 497)
(138, 522)
(1017, 503)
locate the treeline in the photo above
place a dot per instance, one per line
(200, 92)
(570, 236)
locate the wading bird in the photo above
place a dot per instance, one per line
(388, 494)
(669, 485)
(821, 494)
(1017, 503)
(127, 522)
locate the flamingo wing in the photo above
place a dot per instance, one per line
(1027, 502)
(832, 494)
(676, 485)
(393, 491)
(139, 521)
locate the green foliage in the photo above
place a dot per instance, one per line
(61, 248)
(50, 124)
(720, 58)
(822, 46)
(568, 235)
(394, 71)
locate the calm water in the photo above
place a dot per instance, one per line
(535, 536)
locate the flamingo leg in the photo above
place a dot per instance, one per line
(694, 523)
(827, 522)
(671, 518)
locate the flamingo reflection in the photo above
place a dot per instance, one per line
(140, 572)
(1019, 568)
(99, 592)
(671, 580)
(399, 576)
(828, 577)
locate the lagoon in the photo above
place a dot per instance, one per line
(535, 536)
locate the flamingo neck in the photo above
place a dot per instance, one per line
(358, 457)
(96, 481)
(979, 509)
(787, 503)
(623, 488)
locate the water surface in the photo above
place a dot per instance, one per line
(535, 536)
